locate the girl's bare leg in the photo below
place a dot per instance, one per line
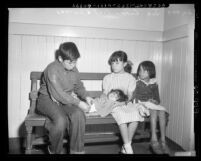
(124, 132)
(131, 130)
(162, 123)
(127, 148)
(154, 140)
(153, 121)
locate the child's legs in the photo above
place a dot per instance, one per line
(124, 132)
(153, 121)
(76, 128)
(162, 123)
(131, 130)
(56, 124)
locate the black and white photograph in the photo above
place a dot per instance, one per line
(94, 79)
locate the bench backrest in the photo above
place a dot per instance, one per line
(36, 76)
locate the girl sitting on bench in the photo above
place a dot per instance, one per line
(127, 116)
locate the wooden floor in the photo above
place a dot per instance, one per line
(141, 148)
(140, 144)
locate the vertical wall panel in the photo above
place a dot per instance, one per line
(174, 89)
(50, 50)
(180, 80)
(14, 84)
(183, 87)
(178, 98)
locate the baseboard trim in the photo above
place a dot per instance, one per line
(16, 145)
(172, 142)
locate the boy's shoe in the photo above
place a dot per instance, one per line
(165, 148)
(50, 152)
(156, 147)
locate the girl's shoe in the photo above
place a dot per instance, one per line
(49, 151)
(165, 148)
(128, 149)
(123, 151)
(156, 147)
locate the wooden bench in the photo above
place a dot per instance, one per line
(33, 120)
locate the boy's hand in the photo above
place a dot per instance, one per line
(84, 106)
(89, 100)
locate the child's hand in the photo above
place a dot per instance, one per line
(143, 111)
(89, 100)
(84, 106)
(153, 101)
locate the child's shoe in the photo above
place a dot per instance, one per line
(128, 148)
(123, 151)
(49, 151)
(156, 147)
(165, 148)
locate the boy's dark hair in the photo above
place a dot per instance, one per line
(68, 51)
(121, 95)
(149, 67)
(121, 56)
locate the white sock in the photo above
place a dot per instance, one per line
(128, 148)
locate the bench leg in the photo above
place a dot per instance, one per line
(29, 140)
(143, 126)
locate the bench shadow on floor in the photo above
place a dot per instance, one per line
(140, 147)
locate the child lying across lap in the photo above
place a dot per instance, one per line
(104, 104)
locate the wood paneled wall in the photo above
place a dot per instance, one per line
(177, 85)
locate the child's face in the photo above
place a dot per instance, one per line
(118, 66)
(68, 64)
(112, 96)
(143, 74)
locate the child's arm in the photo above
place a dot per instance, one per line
(154, 101)
(105, 85)
(156, 97)
(79, 87)
(131, 89)
(84, 106)
(134, 97)
(55, 88)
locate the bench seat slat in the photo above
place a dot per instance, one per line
(34, 118)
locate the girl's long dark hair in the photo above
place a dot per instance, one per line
(149, 67)
(121, 56)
